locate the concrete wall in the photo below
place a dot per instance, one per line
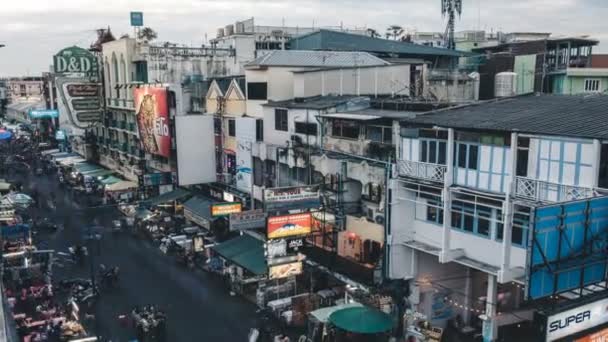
(274, 137)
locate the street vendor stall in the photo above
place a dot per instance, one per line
(360, 324)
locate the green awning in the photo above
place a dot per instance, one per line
(170, 196)
(110, 180)
(86, 167)
(322, 315)
(245, 251)
(200, 206)
(362, 320)
(98, 173)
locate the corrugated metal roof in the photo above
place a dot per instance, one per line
(329, 59)
(342, 41)
(560, 115)
(316, 102)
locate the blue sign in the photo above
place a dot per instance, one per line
(44, 114)
(60, 135)
(137, 18)
(569, 242)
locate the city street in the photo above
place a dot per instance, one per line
(197, 304)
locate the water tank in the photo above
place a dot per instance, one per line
(239, 27)
(505, 84)
(220, 32)
(229, 31)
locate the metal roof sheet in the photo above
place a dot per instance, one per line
(560, 115)
(329, 59)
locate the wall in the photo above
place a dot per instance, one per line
(384, 80)
(525, 68)
(274, 137)
(573, 85)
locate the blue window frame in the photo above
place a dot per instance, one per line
(467, 156)
(433, 151)
(472, 219)
(434, 212)
(519, 234)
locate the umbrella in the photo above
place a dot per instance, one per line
(361, 320)
(5, 135)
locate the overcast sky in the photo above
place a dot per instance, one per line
(33, 30)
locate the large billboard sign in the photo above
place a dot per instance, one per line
(285, 270)
(76, 61)
(195, 151)
(568, 247)
(577, 320)
(152, 111)
(289, 225)
(297, 197)
(82, 101)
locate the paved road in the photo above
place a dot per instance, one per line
(198, 306)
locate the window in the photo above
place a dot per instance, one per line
(280, 120)
(434, 211)
(523, 148)
(592, 85)
(345, 129)
(471, 218)
(467, 156)
(258, 172)
(259, 130)
(372, 193)
(381, 134)
(306, 128)
(231, 128)
(257, 91)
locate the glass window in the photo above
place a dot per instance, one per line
(424, 157)
(483, 222)
(434, 213)
(259, 130)
(442, 152)
(473, 151)
(592, 85)
(345, 129)
(468, 217)
(432, 152)
(231, 128)
(280, 120)
(374, 133)
(462, 155)
(257, 91)
(306, 128)
(258, 172)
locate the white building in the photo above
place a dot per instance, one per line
(469, 185)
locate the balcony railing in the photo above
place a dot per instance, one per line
(427, 171)
(542, 191)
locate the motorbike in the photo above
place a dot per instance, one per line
(108, 276)
(78, 253)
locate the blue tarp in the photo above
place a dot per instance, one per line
(15, 230)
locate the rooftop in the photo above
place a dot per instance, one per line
(325, 59)
(342, 41)
(559, 115)
(370, 114)
(316, 102)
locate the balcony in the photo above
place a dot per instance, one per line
(426, 171)
(542, 191)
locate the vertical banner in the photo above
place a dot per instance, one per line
(152, 111)
(245, 137)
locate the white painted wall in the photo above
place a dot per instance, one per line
(274, 137)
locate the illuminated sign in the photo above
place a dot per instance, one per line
(225, 209)
(289, 225)
(285, 270)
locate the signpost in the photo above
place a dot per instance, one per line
(44, 114)
(137, 19)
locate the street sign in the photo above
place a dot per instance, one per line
(137, 18)
(44, 114)
(75, 60)
(250, 219)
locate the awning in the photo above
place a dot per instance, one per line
(86, 167)
(63, 155)
(110, 180)
(322, 315)
(200, 206)
(97, 173)
(71, 161)
(170, 196)
(5, 186)
(362, 320)
(121, 186)
(246, 252)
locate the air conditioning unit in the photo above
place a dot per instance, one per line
(373, 214)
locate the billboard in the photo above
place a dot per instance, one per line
(579, 319)
(296, 197)
(195, 165)
(245, 137)
(599, 336)
(152, 111)
(568, 247)
(285, 270)
(250, 219)
(75, 61)
(225, 209)
(288, 225)
(278, 248)
(137, 19)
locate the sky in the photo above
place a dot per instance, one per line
(34, 30)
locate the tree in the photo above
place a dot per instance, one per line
(147, 34)
(394, 31)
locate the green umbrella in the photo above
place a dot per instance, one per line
(361, 320)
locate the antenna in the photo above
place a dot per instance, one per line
(450, 8)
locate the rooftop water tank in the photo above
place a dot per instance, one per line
(229, 30)
(220, 32)
(505, 84)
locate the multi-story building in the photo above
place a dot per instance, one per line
(494, 209)
(25, 88)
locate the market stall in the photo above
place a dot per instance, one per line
(360, 324)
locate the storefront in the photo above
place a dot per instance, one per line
(197, 210)
(582, 323)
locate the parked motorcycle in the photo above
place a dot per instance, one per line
(108, 276)
(78, 253)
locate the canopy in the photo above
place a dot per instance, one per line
(200, 206)
(86, 167)
(322, 315)
(110, 180)
(5, 186)
(120, 186)
(170, 196)
(5, 135)
(97, 173)
(361, 320)
(245, 251)
(51, 152)
(143, 213)
(63, 155)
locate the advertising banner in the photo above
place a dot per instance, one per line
(576, 320)
(248, 220)
(137, 19)
(245, 137)
(77, 61)
(289, 225)
(285, 270)
(195, 165)
(225, 209)
(283, 247)
(600, 336)
(153, 120)
(297, 197)
(43, 114)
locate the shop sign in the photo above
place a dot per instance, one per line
(83, 90)
(600, 336)
(250, 219)
(282, 247)
(228, 197)
(574, 321)
(285, 270)
(75, 60)
(225, 209)
(86, 104)
(44, 114)
(60, 135)
(289, 225)
(298, 197)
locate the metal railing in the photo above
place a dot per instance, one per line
(543, 191)
(427, 171)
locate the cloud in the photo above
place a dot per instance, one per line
(33, 30)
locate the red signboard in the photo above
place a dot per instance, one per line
(289, 225)
(153, 120)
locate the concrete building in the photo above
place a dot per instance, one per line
(471, 186)
(25, 88)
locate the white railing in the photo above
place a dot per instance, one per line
(543, 191)
(428, 171)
